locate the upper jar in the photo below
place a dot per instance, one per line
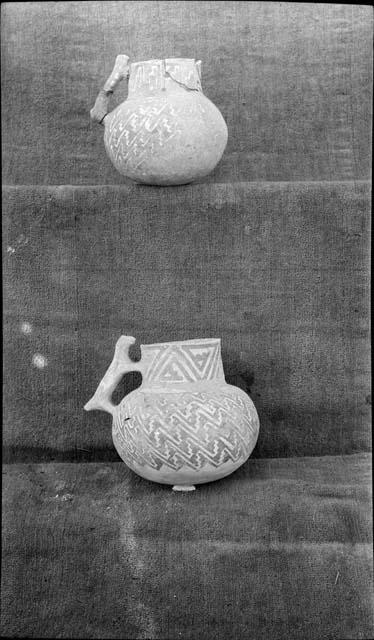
(166, 132)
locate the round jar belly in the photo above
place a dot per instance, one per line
(166, 140)
(186, 438)
(167, 132)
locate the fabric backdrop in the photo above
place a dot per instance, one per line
(280, 550)
(278, 271)
(270, 253)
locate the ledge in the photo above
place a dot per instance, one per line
(93, 551)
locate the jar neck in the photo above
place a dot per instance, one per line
(182, 363)
(155, 76)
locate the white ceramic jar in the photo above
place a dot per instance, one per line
(184, 425)
(166, 132)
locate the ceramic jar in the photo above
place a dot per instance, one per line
(184, 425)
(166, 132)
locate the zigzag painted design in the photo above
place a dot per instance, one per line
(185, 429)
(182, 363)
(130, 136)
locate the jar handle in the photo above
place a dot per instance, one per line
(121, 363)
(198, 67)
(101, 106)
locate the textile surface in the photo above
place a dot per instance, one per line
(278, 271)
(281, 550)
(270, 253)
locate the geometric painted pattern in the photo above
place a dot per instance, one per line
(186, 429)
(182, 362)
(139, 129)
(142, 131)
(155, 75)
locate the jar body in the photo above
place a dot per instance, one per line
(167, 132)
(184, 425)
(186, 437)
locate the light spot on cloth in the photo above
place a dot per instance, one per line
(39, 361)
(21, 241)
(26, 328)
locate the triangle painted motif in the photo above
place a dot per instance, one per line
(202, 357)
(172, 370)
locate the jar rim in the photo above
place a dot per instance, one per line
(184, 342)
(133, 64)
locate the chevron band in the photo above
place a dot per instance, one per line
(186, 429)
(182, 362)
